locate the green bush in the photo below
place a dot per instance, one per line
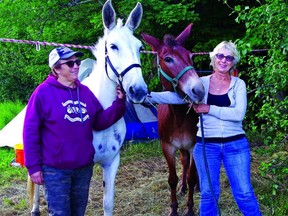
(267, 81)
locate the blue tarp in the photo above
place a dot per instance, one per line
(141, 122)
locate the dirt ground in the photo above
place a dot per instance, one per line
(141, 189)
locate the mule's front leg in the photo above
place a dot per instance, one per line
(109, 174)
(185, 160)
(169, 154)
(192, 182)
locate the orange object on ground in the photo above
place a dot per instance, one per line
(19, 154)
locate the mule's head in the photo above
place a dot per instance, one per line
(122, 50)
(176, 66)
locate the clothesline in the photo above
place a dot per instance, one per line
(38, 44)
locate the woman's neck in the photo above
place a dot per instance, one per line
(67, 83)
(221, 76)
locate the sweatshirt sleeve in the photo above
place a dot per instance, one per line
(236, 112)
(165, 97)
(31, 135)
(106, 118)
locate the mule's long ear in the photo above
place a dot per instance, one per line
(182, 37)
(153, 42)
(135, 17)
(108, 15)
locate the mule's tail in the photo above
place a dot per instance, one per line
(30, 191)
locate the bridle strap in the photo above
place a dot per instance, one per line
(118, 75)
(174, 81)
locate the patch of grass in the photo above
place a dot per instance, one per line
(12, 185)
(9, 174)
(8, 111)
(144, 150)
(141, 186)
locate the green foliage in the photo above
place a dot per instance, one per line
(80, 22)
(8, 111)
(267, 80)
(9, 173)
(22, 67)
(275, 170)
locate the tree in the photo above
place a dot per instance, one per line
(267, 28)
(80, 22)
(22, 65)
(67, 22)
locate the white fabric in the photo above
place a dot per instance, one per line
(11, 134)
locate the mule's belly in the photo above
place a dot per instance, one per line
(180, 139)
(185, 141)
(107, 143)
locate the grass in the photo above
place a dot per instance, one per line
(141, 186)
(8, 173)
(8, 111)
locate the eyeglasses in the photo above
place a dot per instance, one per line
(71, 63)
(228, 58)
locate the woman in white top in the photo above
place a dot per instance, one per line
(222, 110)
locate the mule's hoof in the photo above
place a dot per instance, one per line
(173, 213)
(189, 213)
(182, 191)
(197, 188)
(35, 213)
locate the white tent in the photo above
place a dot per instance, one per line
(11, 134)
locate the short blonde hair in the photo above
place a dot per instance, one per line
(228, 45)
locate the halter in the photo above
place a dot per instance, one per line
(174, 81)
(118, 75)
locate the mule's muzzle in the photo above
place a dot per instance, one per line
(136, 94)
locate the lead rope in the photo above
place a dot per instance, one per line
(206, 165)
(150, 102)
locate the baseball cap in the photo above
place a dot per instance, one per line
(61, 53)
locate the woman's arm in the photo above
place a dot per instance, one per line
(165, 97)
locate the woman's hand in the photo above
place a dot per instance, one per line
(37, 178)
(201, 108)
(120, 93)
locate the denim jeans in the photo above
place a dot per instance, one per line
(235, 156)
(67, 191)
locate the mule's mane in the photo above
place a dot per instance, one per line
(119, 23)
(170, 40)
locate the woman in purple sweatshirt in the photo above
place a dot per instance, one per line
(61, 114)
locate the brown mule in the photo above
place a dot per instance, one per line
(177, 127)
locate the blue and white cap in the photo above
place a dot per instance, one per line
(61, 53)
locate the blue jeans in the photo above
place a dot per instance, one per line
(235, 156)
(67, 191)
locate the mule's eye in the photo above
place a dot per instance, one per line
(114, 47)
(168, 60)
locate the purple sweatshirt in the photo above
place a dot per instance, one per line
(56, 134)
